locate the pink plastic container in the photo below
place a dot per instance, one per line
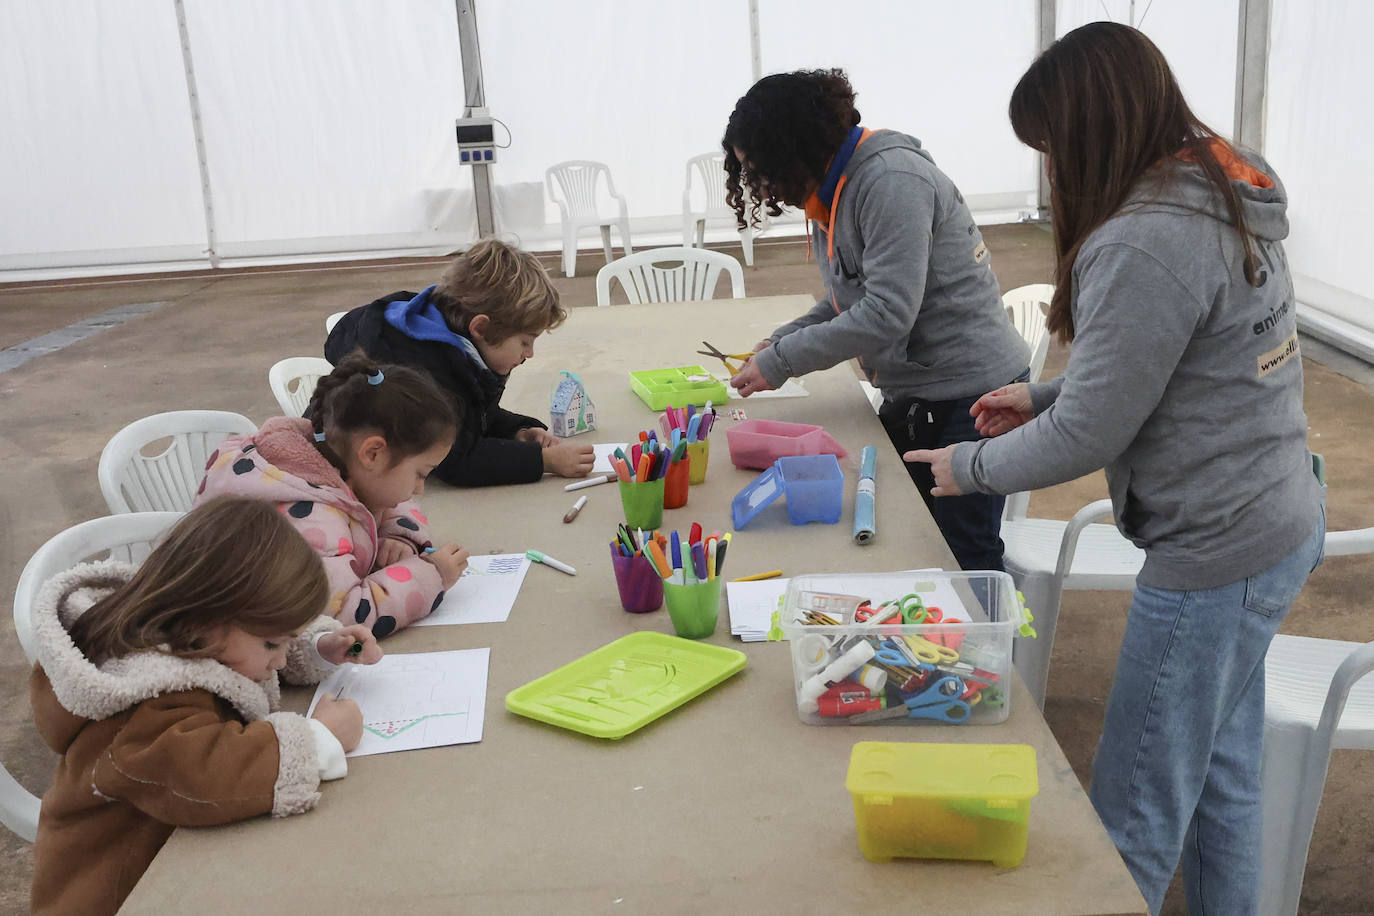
(758, 443)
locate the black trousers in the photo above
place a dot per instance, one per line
(972, 523)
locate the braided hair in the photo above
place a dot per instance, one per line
(402, 405)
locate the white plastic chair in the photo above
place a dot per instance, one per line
(692, 278)
(332, 320)
(126, 537)
(1026, 307)
(293, 382)
(1045, 557)
(131, 481)
(1316, 698)
(576, 198)
(709, 168)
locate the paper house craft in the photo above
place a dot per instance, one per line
(570, 409)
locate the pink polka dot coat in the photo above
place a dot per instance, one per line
(280, 463)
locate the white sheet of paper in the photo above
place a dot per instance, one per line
(604, 451)
(792, 388)
(485, 593)
(752, 605)
(425, 699)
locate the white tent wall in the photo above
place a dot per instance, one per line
(1317, 137)
(97, 159)
(640, 86)
(1198, 37)
(329, 127)
(941, 70)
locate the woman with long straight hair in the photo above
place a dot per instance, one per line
(1185, 383)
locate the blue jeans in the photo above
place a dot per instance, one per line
(1177, 769)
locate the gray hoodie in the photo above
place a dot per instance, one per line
(914, 296)
(1184, 382)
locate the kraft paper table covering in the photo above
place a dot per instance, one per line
(727, 804)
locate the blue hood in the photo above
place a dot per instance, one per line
(419, 319)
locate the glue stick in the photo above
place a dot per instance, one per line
(874, 678)
(852, 660)
(814, 652)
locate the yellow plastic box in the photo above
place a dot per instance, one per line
(942, 801)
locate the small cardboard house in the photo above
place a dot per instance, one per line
(570, 409)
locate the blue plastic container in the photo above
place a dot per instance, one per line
(813, 485)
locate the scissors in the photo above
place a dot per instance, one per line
(889, 654)
(914, 610)
(725, 357)
(930, 652)
(940, 702)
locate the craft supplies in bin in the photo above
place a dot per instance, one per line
(660, 388)
(758, 443)
(942, 801)
(911, 648)
(625, 684)
(812, 484)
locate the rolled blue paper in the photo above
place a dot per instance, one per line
(865, 521)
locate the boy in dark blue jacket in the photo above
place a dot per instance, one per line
(469, 331)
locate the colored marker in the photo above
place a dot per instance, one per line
(771, 574)
(577, 507)
(590, 482)
(356, 649)
(428, 550)
(538, 557)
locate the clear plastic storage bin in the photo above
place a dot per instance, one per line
(911, 648)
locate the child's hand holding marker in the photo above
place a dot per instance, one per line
(343, 718)
(354, 643)
(450, 559)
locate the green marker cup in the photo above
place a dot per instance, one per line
(643, 503)
(693, 607)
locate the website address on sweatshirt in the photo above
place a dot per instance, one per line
(1276, 357)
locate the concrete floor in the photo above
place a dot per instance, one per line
(210, 346)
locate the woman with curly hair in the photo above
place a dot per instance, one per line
(910, 292)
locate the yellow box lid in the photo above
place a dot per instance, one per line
(913, 768)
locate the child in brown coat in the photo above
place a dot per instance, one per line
(158, 686)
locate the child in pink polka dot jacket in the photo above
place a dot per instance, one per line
(346, 479)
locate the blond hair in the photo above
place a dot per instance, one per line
(500, 281)
(232, 561)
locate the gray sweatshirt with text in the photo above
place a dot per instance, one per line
(1183, 381)
(914, 296)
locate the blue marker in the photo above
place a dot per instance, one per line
(676, 543)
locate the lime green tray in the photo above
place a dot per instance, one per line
(625, 684)
(660, 388)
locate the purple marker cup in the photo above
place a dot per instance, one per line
(639, 584)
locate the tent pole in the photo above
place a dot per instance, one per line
(1044, 37)
(188, 67)
(755, 44)
(475, 96)
(1252, 67)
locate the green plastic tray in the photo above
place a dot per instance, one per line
(660, 388)
(625, 684)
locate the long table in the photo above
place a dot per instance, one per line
(727, 804)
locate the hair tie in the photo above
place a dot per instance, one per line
(319, 437)
(376, 378)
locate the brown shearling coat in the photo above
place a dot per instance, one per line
(149, 742)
